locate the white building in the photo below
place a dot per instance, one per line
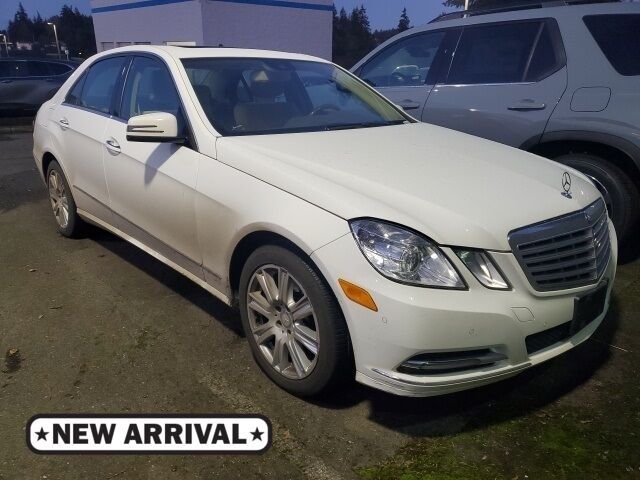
(301, 26)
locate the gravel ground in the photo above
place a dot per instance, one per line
(104, 328)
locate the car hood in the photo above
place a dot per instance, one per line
(455, 188)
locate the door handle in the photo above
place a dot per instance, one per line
(409, 105)
(113, 146)
(527, 104)
(64, 123)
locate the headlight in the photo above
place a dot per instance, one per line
(403, 256)
(483, 268)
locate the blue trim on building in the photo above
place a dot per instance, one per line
(129, 6)
(282, 3)
(264, 3)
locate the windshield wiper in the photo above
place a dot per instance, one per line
(348, 126)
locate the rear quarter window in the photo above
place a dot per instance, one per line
(618, 36)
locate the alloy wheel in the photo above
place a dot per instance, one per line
(59, 200)
(283, 322)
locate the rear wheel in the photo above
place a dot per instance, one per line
(619, 192)
(293, 323)
(64, 209)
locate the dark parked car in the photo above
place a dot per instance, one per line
(558, 81)
(25, 84)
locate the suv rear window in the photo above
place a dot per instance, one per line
(619, 39)
(504, 53)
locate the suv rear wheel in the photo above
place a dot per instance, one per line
(619, 192)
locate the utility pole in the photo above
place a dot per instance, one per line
(55, 32)
(466, 4)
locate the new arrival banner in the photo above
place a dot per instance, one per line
(148, 434)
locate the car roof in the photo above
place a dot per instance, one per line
(554, 11)
(179, 52)
(70, 63)
(538, 11)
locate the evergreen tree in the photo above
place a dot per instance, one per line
(21, 28)
(404, 23)
(42, 33)
(75, 30)
(352, 37)
(361, 40)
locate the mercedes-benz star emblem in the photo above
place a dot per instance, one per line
(566, 185)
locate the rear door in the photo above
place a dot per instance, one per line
(44, 80)
(406, 70)
(15, 84)
(504, 81)
(81, 121)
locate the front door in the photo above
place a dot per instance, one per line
(406, 70)
(152, 185)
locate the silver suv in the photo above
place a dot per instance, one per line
(562, 82)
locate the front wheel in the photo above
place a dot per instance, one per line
(294, 326)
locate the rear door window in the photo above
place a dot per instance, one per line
(14, 69)
(500, 53)
(39, 69)
(74, 97)
(5, 69)
(100, 84)
(618, 36)
(546, 58)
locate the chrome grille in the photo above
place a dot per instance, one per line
(565, 252)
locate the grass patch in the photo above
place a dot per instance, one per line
(558, 443)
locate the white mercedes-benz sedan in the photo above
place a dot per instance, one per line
(353, 239)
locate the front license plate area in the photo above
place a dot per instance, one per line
(588, 307)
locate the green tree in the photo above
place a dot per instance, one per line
(360, 38)
(341, 26)
(42, 33)
(21, 27)
(404, 23)
(352, 36)
(75, 30)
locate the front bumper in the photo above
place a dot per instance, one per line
(413, 320)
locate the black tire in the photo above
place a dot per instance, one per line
(621, 194)
(333, 362)
(74, 225)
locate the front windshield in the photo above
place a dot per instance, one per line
(253, 96)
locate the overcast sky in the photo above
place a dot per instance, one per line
(382, 13)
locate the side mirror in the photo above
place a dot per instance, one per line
(156, 127)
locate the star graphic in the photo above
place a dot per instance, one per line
(42, 435)
(257, 434)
